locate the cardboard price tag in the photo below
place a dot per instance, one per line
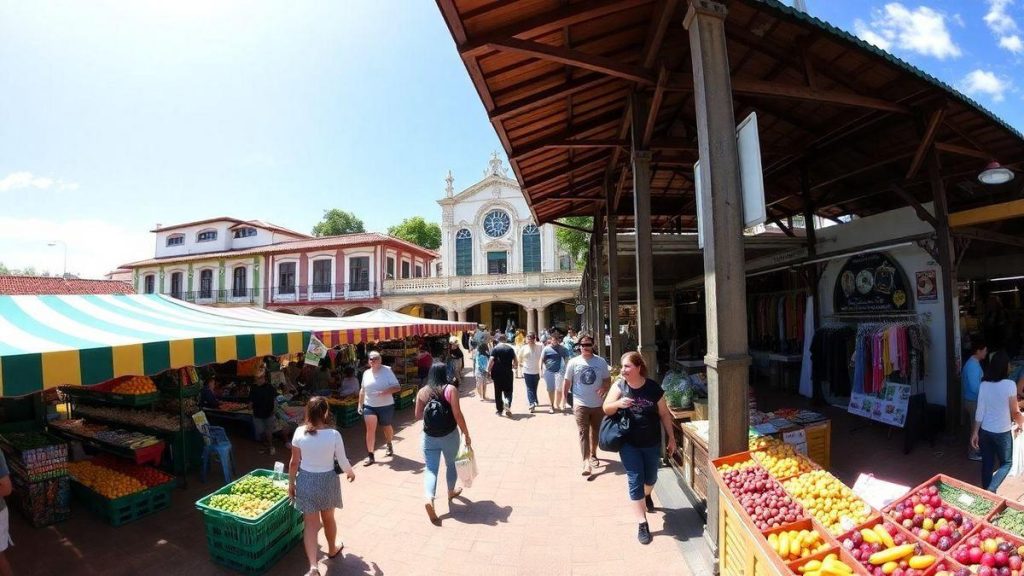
(798, 439)
(965, 499)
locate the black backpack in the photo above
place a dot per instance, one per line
(438, 418)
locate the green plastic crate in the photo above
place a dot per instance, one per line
(404, 402)
(259, 561)
(204, 502)
(126, 508)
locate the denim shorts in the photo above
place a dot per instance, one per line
(641, 464)
(264, 426)
(384, 414)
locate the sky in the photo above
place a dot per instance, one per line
(116, 115)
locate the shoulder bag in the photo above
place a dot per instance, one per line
(614, 429)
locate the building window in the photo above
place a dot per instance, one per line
(497, 223)
(391, 268)
(419, 271)
(150, 284)
(286, 278)
(176, 284)
(245, 232)
(565, 263)
(206, 236)
(239, 278)
(206, 284)
(463, 253)
(497, 262)
(321, 276)
(176, 240)
(405, 270)
(531, 249)
(359, 274)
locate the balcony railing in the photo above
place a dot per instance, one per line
(483, 282)
(280, 294)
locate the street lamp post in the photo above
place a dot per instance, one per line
(62, 243)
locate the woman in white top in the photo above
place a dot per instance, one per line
(377, 405)
(995, 418)
(313, 485)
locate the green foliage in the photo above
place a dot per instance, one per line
(574, 242)
(26, 271)
(336, 222)
(418, 231)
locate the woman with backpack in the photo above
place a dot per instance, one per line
(438, 405)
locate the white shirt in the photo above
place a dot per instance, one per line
(374, 386)
(993, 406)
(530, 358)
(320, 450)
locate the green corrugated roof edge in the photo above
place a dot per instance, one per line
(841, 34)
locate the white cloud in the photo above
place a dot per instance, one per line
(997, 18)
(19, 180)
(1012, 43)
(922, 30)
(94, 247)
(985, 82)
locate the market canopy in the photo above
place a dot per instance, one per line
(47, 341)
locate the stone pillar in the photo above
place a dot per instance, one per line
(613, 275)
(646, 345)
(542, 319)
(725, 288)
(451, 314)
(531, 320)
(462, 314)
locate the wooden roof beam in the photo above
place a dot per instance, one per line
(571, 134)
(986, 214)
(962, 150)
(566, 15)
(652, 113)
(918, 208)
(551, 95)
(971, 233)
(560, 172)
(926, 141)
(794, 92)
(576, 58)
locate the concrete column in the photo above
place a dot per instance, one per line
(646, 345)
(728, 355)
(451, 314)
(542, 318)
(462, 314)
(531, 320)
(613, 275)
(599, 289)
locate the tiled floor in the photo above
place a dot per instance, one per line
(529, 512)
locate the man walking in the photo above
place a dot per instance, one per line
(500, 367)
(588, 379)
(264, 402)
(530, 359)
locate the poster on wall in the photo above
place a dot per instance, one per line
(927, 287)
(888, 407)
(871, 283)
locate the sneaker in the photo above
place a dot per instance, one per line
(643, 533)
(586, 468)
(551, 409)
(369, 460)
(650, 503)
(508, 412)
(532, 408)
(390, 450)
(499, 413)
(975, 456)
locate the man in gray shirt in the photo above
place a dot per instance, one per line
(588, 379)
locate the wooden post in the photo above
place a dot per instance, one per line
(728, 356)
(944, 246)
(598, 286)
(641, 158)
(613, 274)
(811, 276)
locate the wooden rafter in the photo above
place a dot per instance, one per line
(986, 214)
(561, 172)
(794, 92)
(575, 58)
(918, 208)
(549, 96)
(890, 159)
(926, 141)
(962, 150)
(989, 236)
(574, 132)
(652, 113)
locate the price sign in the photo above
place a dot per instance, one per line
(965, 499)
(798, 439)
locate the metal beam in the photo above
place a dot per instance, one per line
(576, 58)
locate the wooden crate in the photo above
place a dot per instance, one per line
(819, 443)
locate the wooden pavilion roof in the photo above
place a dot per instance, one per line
(555, 78)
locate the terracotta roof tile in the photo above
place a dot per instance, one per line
(38, 285)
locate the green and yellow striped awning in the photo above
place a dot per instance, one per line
(48, 341)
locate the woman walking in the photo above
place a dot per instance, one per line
(483, 355)
(438, 405)
(313, 486)
(643, 402)
(994, 420)
(554, 357)
(377, 405)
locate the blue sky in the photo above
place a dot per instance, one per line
(116, 115)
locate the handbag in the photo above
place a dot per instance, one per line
(613, 432)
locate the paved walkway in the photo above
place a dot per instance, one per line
(529, 512)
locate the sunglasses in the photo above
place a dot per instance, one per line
(374, 359)
(586, 344)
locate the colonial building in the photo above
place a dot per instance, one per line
(497, 266)
(231, 262)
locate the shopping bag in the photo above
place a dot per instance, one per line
(465, 466)
(1017, 468)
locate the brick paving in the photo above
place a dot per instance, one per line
(529, 512)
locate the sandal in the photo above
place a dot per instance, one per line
(313, 572)
(336, 552)
(432, 514)
(454, 494)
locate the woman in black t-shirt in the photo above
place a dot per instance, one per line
(644, 403)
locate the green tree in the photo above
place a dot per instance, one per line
(336, 222)
(4, 270)
(418, 231)
(576, 243)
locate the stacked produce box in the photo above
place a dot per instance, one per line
(250, 524)
(344, 409)
(119, 491)
(39, 466)
(406, 397)
(780, 514)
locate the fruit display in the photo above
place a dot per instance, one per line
(989, 553)
(1011, 520)
(967, 501)
(736, 465)
(762, 442)
(135, 386)
(762, 497)
(122, 438)
(828, 500)
(144, 418)
(782, 461)
(830, 565)
(232, 406)
(925, 516)
(346, 401)
(104, 481)
(885, 550)
(796, 544)
(147, 475)
(249, 497)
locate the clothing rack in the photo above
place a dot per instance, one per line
(877, 317)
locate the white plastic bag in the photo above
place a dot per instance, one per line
(1017, 468)
(465, 466)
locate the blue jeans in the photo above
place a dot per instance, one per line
(433, 447)
(995, 446)
(531, 387)
(641, 466)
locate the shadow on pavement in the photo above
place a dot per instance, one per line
(681, 523)
(485, 512)
(353, 564)
(402, 464)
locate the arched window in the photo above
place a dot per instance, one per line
(464, 253)
(206, 236)
(531, 249)
(176, 240)
(239, 282)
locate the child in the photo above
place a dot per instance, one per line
(482, 377)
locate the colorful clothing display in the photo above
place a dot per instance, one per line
(777, 321)
(877, 352)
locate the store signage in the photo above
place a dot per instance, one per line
(315, 352)
(927, 287)
(889, 407)
(871, 283)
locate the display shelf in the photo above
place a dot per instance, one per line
(148, 454)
